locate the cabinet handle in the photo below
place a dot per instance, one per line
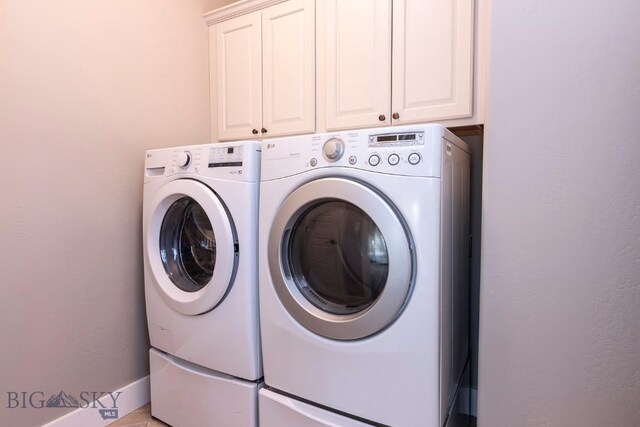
(382, 117)
(255, 131)
(263, 130)
(396, 116)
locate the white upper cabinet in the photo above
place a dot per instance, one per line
(358, 63)
(396, 62)
(432, 60)
(265, 70)
(239, 77)
(288, 67)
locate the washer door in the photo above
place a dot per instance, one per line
(191, 246)
(341, 259)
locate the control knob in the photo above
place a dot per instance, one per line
(333, 149)
(184, 159)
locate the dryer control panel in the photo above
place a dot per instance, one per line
(404, 139)
(400, 150)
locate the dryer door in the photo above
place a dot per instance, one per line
(191, 246)
(341, 259)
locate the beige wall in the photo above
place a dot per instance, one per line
(560, 280)
(85, 88)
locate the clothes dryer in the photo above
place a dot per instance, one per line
(364, 239)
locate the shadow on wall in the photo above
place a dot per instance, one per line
(474, 136)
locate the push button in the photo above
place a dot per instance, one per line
(353, 160)
(313, 162)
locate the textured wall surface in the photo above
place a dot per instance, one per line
(85, 88)
(560, 281)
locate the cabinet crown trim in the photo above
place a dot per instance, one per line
(238, 8)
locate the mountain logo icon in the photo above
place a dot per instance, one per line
(62, 400)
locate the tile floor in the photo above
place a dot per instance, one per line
(141, 417)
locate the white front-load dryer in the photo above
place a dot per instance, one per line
(200, 269)
(363, 271)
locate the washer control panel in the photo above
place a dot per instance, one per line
(233, 161)
(224, 157)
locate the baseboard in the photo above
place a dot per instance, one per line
(132, 397)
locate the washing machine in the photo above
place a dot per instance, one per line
(200, 269)
(363, 253)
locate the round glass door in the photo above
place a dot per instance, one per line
(340, 259)
(191, 246)
(187, 245)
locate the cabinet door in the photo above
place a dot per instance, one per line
(239, 77)
(357, 45)
(288, 72)
(432, 59)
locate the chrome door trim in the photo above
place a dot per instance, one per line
(385, 309)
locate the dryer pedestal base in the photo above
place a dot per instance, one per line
(277, 410)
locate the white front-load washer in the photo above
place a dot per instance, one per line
(200, 268)
(363, 254)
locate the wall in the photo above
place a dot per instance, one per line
(560, 280)
(85, 88)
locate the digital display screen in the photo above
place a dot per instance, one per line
(221, 157)
(396, 140)
(225, 164)
(387, 138)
